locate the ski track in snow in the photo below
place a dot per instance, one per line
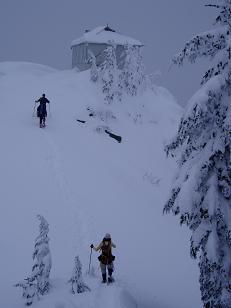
(70, 201)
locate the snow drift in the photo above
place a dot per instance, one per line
(86, 184)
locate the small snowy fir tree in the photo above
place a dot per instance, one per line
(76, 281)
(38, 282)
(42, 257)
(29, 291)
(201, 195)
(108, 75)
(132, 78)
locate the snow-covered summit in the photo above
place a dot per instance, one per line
(86, 184)
(105, 35)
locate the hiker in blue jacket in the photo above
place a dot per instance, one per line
(42, 110)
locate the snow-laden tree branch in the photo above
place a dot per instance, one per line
(201, 194)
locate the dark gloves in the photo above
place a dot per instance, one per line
(92, 246)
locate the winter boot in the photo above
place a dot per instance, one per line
(110, 278)
(104, 278)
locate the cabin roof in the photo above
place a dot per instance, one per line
(105, 35)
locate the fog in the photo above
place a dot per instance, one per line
(42, 31)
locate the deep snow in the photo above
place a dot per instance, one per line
(86, 184)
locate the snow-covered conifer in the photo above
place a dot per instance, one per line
(42, 257)
(38, 282)
(108, 75)
(132, 78)
(76, 280)
(201, 194)
(129, 79)
(29, 291)
(94, 71)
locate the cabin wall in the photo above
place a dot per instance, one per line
(80, 57)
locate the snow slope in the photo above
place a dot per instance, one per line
(86, 184)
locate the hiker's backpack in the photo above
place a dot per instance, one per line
(41, 111)
(106, 256)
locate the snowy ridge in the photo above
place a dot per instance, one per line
(86, 184)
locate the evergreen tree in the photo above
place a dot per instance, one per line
(128, 78)
(132, 77)
(42, 257)
(201, 194)
(94, 71)
(38, 282)
(76, 280)
(108, 75)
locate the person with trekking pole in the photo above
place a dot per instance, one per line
(106, 258)
(41, 110)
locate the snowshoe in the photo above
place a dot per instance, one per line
(110, 279)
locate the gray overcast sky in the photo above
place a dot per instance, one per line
(41, 31)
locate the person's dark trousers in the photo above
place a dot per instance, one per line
(104, 278)
(42, 120)
(110, 271)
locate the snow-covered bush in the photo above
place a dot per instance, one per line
(38, 282)
(201, 195)
(101, 114)
(76, 280)
(42, 257)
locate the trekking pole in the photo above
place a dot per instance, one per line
(33, 114)
(89, 263)
(49, 110)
